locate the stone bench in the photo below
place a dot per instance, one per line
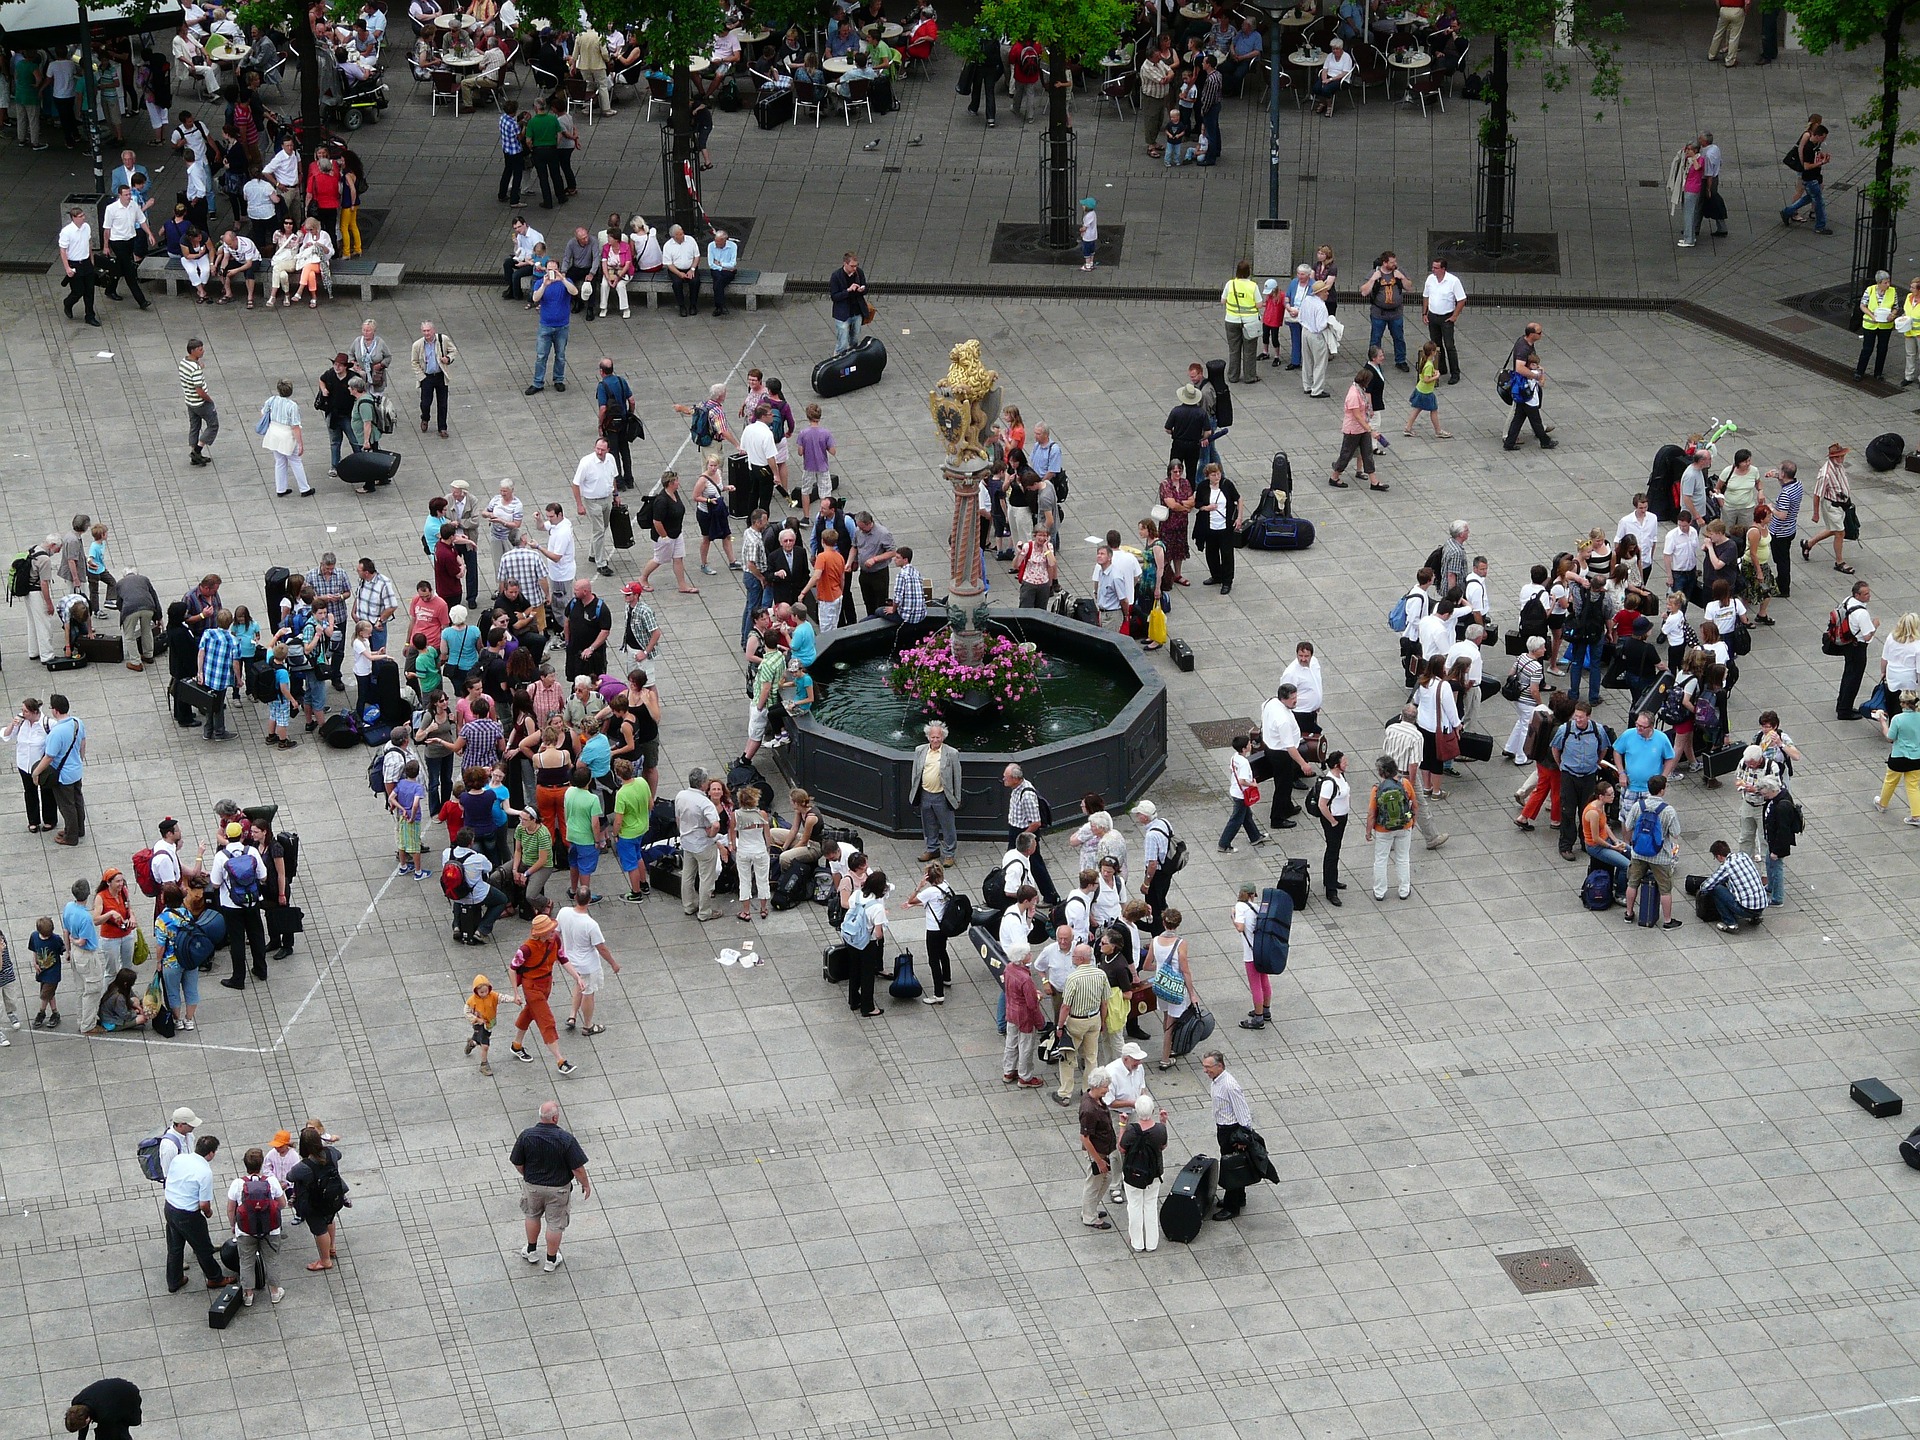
(754, 285)
(367, 275)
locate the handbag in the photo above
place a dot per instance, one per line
(261, 428)
(1446, 744)
(1157, 626)
(868, 311)
(1250, 796)
(1169, 985)
(141, 952)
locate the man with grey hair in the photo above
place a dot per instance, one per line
(1098, 1139)
(1082, 1015)
(549, 1161)
(1309, 312)
(1878, 305)
(699, 824)
(1402, 744)
(1453, 558)
(1023, 817)
(1710, 183)
(935, 787)
(1231, 1114)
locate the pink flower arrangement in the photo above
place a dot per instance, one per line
(929, 673)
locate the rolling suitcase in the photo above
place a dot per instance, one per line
(369, 467)
(851, 369)
(1189, 1200)
(1647, 904)
(1296, 878)
(223, 1307)
(620, 525)
(773, 108)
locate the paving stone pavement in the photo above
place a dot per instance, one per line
(808, 1226)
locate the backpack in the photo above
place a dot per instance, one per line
(1837, 638)
(1673, 709)
(1503, 384)
(1706, 712)
(1176, 860)
(1596, 891)
(643, 513)
(1397, 616)
(700, 429)
(1391, 809)
(993, 889)
(147, 1154)
(377, 770)
(20, 577)
(290, 852)
(1533, 617)
(243, 880)
(328, 1188)
(453, 878)
(196, 942)
(1046, 810)
(259, 1209)
(957, 918)
(856, 929)
(1142, 1166)
(143, 872)
(1589, 615)
(1646, 830)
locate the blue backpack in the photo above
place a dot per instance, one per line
(1596, 891)
(1647, 839)
(856, 929)
(1397, 616)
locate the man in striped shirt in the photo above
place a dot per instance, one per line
(330, 591)
(374, 601)
(1785, 523)
(527, 567)
(909, 603)
(480, 737)
(203, 422)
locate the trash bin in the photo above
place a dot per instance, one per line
(1273, 248)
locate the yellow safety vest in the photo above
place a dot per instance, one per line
(1912, 311)
(1877, 299)
(1243, 300)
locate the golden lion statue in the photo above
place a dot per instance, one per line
(965, 403)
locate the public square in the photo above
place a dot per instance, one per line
(805, 1224)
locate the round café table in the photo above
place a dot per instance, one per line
(1407, 64)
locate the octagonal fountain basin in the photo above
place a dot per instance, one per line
(1101, 725)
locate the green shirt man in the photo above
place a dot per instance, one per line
(583, 816)
(543, 129)
(632, 807)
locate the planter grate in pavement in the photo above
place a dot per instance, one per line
(1218, 734)
(1525, 252)
(1538, 1271)
(1026, 245)
(1836, 305)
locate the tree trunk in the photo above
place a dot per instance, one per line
(1060, 229)
(1493, 237)
(1880, 222)
(683, 158)
(301, 36)
(89, 102)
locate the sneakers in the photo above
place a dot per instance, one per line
(520, 1054)
(566, 1067)
(276, 1295)
(552, 1263)
(1437, 841)
(533, 1254)
(246, 1298)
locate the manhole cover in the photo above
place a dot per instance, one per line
(1522, 252)
(1218, 734)
(1026, 245)
(1535, 1271)
(1649, 184)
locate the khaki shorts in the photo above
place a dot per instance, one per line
(554, 1203)
(666, 551)
(1662, 875)
(590, 977)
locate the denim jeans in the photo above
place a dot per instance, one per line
(337, 433)
(1379, 324)
(1776, 880)
(1618, 860)
(1690, 216)
(1732, 912)
(1583, 656)
(1813, 197)
(846, 334)
(756, 597)
(1240, 818)
(552, 341)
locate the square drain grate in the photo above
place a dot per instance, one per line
(1535, 1271)
(1218, 734)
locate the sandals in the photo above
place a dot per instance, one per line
(1379, 487)
(1181, 580)
(1164, 1065)
(1443, 434)
(1844, 569)
(321, 1265)
(594, 1030)
(744, 914)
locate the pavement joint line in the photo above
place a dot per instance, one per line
(1774, 1426)
(674, 460)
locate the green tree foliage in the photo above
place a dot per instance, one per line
(670, 34)
(1525, 29)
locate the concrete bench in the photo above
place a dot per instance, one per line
(753, 285)
(367, 275)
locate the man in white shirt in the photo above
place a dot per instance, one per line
(519, 262)
(1126, 569)
(594, 479)
(76, 260)
(189, 137)
(504, 513)
(1861, 627)
(1280, 733)
(283, 169)
(261, 200)
(121, 221)
(1468, 649)
(239, 872)
(584, 947)
(237, 259)
(189, 1205)
(1109, 599)
(1681, 550)
(1309, 312)
(1644, 526)
(1477, 606)
(1052, 965)
(1016, 864)
(1442, 299)
(681, 257)
(559, 550)
(699, 823)
(1303, 673)
(761, 450)
(1436, 631)
(61, 76)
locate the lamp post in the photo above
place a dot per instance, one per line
(1273, 10)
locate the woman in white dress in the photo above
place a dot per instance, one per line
(283, 438)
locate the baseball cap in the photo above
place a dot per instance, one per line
(281, 1137)
(184, 1116)
(1133, 1051)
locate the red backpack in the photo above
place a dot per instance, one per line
(143, 872)
(259, 1208)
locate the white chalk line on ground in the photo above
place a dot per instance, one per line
(687, 439)
(1771, 1426)
(286, 1029)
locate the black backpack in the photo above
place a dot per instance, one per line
(1589, 615)
(957, 918)
(20, 577)
(993, 889)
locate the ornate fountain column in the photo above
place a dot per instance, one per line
(964, 406)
